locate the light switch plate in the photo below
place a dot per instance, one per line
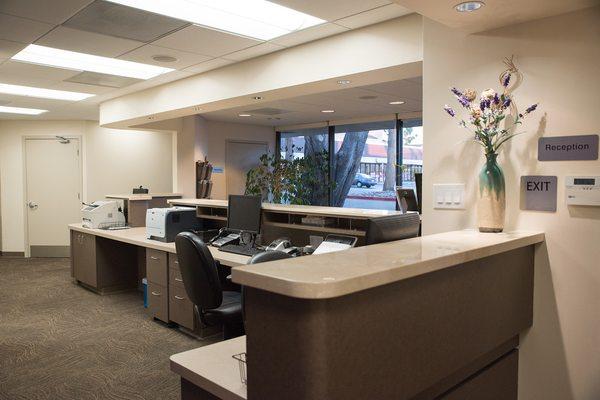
(449, 196)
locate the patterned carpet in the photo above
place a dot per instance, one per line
(60, 341)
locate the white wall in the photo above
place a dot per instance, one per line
(559, 57)
(114, 161)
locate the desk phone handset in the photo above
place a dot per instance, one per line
(224, 238)
(284, 244)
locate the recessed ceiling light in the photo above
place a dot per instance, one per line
(257, 97)
(42, 93)
(469, 6)
(328, 111)
(244, 115)
(19, 110)
(396, 103)
(344, 82)
(258, 19)
(163, 58)
(42, 55)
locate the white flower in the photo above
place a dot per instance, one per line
(488, 94)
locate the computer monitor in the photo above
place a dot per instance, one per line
(407, 201)
(243, 213)
(393, 227)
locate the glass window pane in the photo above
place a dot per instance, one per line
(412, 152)
(364, 165)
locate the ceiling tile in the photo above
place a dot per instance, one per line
(25, 72)
(20, 29)
(80, 87)
(254, 51)
(106, 80)
(374, 16)
(125, 22)
(9, 49)
(208, 65)
(87, 42)
(52, 12)
(308, 35)
(208, 42)
(145, 53)
(332, 9)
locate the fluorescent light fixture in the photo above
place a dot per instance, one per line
(469, 6)
(42, 55)
(19, 110)
(42, 93)
(328, 111)
(244, 115)
(396, 103)
(259, 19)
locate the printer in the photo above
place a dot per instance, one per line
(165, 223)
(102, 214)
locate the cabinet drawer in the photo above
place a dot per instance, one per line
(173, 262)
(175, 278)
(181, 309)
(83, 253)
(156, 266)
(158, 301)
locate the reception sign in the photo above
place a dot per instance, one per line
(568, 148)
(538, 193)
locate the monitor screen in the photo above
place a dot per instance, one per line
(243, 213)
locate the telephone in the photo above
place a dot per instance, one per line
(224, 238)
(279, 244)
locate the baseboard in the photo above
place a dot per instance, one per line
(15, 254)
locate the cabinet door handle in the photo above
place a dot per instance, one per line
(176, 262)
(179, 279)
(153, 258)
(155, 293)
(179, 298)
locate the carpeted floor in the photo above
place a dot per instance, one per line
(60, 341)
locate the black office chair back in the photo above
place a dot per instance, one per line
(393, 227)
(419, 185)
(199, 271)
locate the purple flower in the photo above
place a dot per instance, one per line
(464, 101)
(449, 110)
(496, 99)
(531, 108)
(457, 92)
(506, 103)
(506, 80)
(484, 104)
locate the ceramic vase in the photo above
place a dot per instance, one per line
(492, 200)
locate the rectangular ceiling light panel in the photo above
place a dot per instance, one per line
(42, 55)
(259, 19)
(42, 93)
(19, 110)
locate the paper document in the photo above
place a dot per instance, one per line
(328, 247)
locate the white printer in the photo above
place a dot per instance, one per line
(102, 214)
(165, 223)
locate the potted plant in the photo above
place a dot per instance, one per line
(488, 118)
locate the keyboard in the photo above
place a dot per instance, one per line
(240, 249)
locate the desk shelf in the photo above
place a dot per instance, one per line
(314, 228)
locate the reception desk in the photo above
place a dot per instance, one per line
(434, 317)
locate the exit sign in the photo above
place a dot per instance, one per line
(538, 193)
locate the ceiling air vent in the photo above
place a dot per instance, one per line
(125, 22)
(96, 79)
(267, 111)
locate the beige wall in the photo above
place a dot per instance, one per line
(559, 57)
(114, 161)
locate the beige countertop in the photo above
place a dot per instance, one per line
(142, 196)
(213, 369)
(341, 273)
(293, 209)
(137, 236)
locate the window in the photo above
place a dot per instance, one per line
(368, 161)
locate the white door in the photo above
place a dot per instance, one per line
(53, 194)
(241, 157)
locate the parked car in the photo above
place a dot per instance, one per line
(363, 180)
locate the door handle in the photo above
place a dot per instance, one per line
(33, 205)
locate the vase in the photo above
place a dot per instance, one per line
(492, 200)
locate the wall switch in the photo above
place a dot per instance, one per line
(449, 195)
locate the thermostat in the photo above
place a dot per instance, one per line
(582, 190)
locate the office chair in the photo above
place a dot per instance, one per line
(393, 227)
(203, 287)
